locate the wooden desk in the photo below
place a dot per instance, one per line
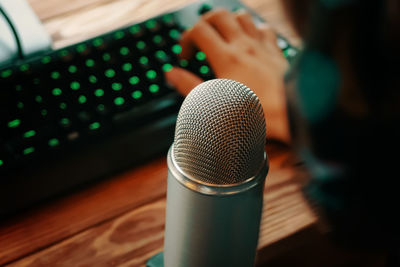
(120, 221)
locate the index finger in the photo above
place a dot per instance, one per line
(204, 37)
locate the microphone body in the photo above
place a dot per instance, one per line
(217, 168)
(212, 226)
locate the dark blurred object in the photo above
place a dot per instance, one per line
(344, 106)
(394, 258)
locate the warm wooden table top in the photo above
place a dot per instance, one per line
(120, 221)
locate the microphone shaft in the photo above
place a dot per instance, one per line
(206, 230)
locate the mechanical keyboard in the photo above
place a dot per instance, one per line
(90, 110)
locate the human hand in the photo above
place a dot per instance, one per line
(236, 49)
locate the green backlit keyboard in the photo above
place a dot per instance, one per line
(92, 109)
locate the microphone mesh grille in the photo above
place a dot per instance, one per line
(220, 133)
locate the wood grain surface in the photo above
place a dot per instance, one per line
(70, 215)
(71, 21)
(130, 238)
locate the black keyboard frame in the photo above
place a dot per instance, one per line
(104, 155)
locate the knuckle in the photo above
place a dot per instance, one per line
(231, 58)
(251, 51)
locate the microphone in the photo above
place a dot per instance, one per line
(216, 172)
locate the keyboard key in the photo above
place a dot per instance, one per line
(28, 150)
(200, 56)
(167, 67)
(99, 92)
(6, 73)
(119, 101)
(75, 85)
(151, 74)
(137, 95)
(14, 123)
(136, 30)
(98, 42)
(154, 88)
(109, 73)
(53, 142)
(29, 133)
(174, 34)
(134, 80)
(176, 49)
(127, 67)
(116, 86)
(65, 122)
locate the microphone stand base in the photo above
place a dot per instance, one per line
(156, 261)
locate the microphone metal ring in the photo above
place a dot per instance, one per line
(215, 189)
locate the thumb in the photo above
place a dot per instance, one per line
(184, 81)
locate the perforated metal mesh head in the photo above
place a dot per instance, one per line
(220, 133)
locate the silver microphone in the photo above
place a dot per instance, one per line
(217, 168)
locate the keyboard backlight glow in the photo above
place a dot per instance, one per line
(29, 150)
(94, 126)
(30, 133)
(53, 142)
(14, 123)
(137, 94)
